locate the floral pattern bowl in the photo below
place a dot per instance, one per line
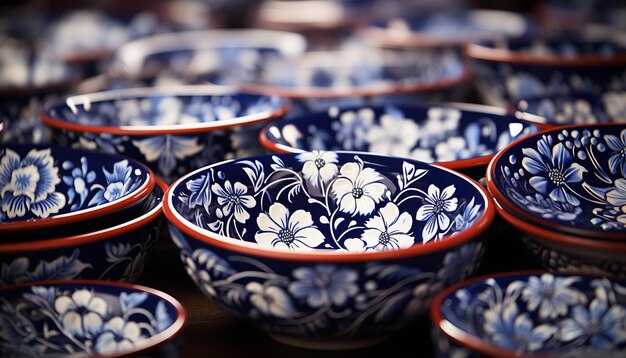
(173, 130)
(86, 318)
(531, 314)
(50, 191)
(571, 179)
(462, 137)
(513, 70)
(605, 107)
(327, 250)
(116, 253)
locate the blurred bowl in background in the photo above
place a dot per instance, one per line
(463, 137)
(174, 130)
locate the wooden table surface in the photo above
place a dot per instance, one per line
(213, 332)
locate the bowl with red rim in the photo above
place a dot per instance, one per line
(327, 250)
(569, 179)
(88, 318)
(172, 129)
(463, 137)
(50, 191)
(115, 253)
(516, 69)
(531, 314)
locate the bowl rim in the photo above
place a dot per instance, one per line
(550, 226)
(86, 214)
(395, 88)
(528, 118)
(477, 344)
(88, 237)
(381, 36)
(169, 91)
(483, 52)
(225, 243)
(168, 335)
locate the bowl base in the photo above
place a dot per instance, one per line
(327, 344)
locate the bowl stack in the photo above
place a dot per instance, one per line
(565, 189)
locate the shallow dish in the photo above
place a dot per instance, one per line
(173, 130)
(117, 253)
(513, 70)
(571, 179)
(462, 137)
(50, 190)
(86, 318)
(523, 314)
(327, 250)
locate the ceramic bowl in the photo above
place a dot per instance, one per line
(173, 130)
(327, 250)
(446, 29)
(609, 106)
(570, 179)
(531, 314)
(509, 71)
(117, 253)
(86, 318)
(462, 137)
(359, 76)
(50, 191)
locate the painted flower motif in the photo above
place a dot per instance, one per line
(353, 127)
(319, 167)
(389, 230)
(615, 105)
(234, 199)
(78, 181)
(270, 300)
(358, 190)
(324, 285)
(552, 295)
(617, 161)
(617, 198)
(205, 267)
(82, 313)
(553, 169)
(460, 264)
(453, 148)
(284, 230)
(468, 217)
(119, 183)
(601, 323)
(395, 136)
(434, 210)
(523, 86)
(27, 185)
(439, 123)
(118, 335)
(168, 151)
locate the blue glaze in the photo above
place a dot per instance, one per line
(608, 106)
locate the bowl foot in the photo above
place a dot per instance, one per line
(327, 344)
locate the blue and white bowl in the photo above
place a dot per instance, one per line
(117, 253)
(327, 250)
(50, 191)
(457, 136)
(510, 71)
(606, 107)
(524, 314)
(86, 318)
(173, 130)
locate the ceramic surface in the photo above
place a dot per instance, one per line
(47, 186)
(85, 318)
(455, 136)
(117, 253)
(570, 179)
(172, 130)
(520, 314)
(323, 249)
(609, 106)
(525, 68)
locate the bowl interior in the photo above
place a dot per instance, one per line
(571, 179)
(539, 314)
(578, 108)
(136, 108)
(85, 318)
(426, 133)
(41, 182)
(345, 201)
(561, 46)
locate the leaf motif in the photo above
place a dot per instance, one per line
(337, 222)
(295, 190)
(162, 317)
(167, 150)
(408, 170)
(12, 272)
(63, 267)
(117, 252)
(278, 161)
(392, 272)
(392, 306)
(324, 219)
(132, 300)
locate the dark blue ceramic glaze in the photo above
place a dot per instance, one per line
(608, 106)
